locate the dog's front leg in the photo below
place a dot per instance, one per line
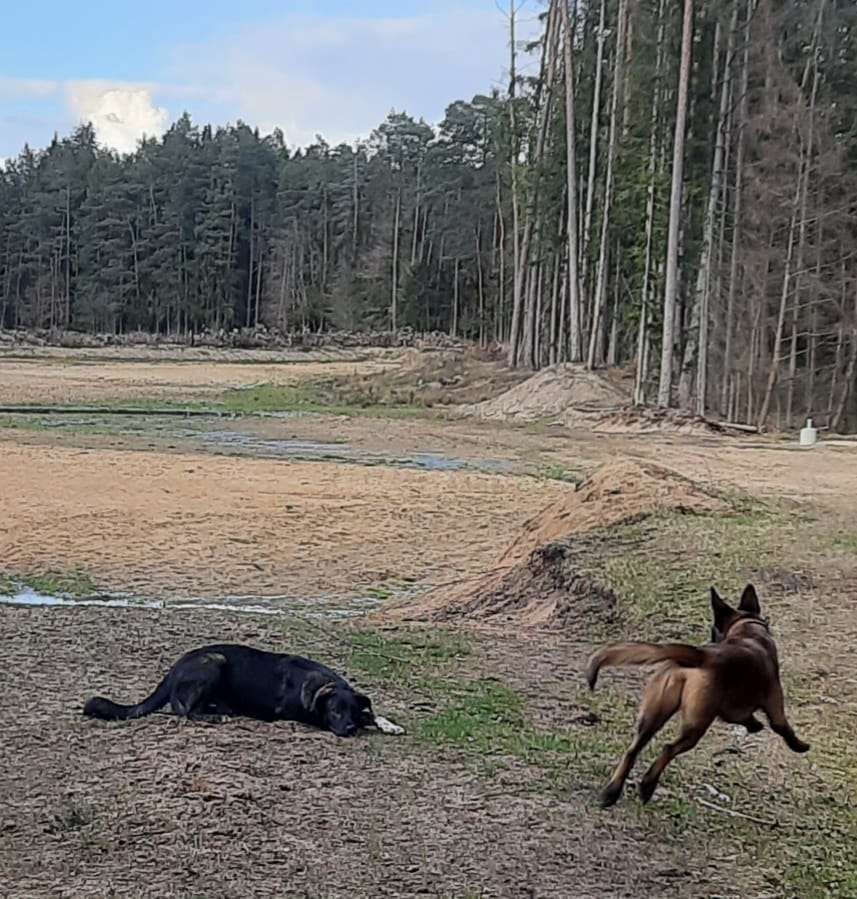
(387, 727)
(776, 712)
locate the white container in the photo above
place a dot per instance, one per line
(809, 434)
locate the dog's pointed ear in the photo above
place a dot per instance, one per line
(721, 609)
(750, 601)
(315, 690)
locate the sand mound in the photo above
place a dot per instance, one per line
(637, 420)
(540, 579)
(552, 392)
(434, 377)
(615, 493)
(545, 590)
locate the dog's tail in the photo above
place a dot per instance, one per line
(643, 654)
(107, 710)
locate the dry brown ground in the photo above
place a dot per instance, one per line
(65, 380)
(160, 809)
(178, 524)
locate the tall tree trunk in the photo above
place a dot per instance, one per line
(394, 297)
(67, 258)
(480, 287)
(601, 279)
(249, 316)
(671, 287)
(738, 203)
(575, 341)
(799, 219)
(454, 332)
(500, 320)
(553, 334)
(696, 348)
(848, 385)
(515, 328)
(812, 361)
(774, 367)
(840, 337)
(355, 202)
(796, 301)
(532, 296)
(593, 148)
(613, 344)
(641, 369)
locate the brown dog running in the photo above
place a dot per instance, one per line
(730, 679)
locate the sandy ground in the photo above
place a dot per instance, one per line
(63, 381)
(179, 525)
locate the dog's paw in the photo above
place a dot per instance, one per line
(387, 727)
(647, 790)
(609, 796)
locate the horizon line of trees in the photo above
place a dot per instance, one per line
(673, 189)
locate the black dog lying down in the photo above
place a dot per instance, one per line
(238, 680)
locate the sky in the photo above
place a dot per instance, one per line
(309, 67)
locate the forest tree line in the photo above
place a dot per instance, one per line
(668, 186)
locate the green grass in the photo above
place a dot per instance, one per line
(24, 423)
(844, 543)
(410, 659)
(663, 567)
(316, 397)
(50, 583)
(323, 397)
(557, 473)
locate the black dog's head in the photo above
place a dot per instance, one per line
(725, 616)
(336, 706)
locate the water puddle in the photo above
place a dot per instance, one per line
(311, 451)
(238, 443)
(285, 606)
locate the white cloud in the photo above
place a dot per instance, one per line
(121, 114)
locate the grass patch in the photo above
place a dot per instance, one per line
(844, 543)
(488, 721)
(557, 473)
(662, 568)
(24, 423)
(410, 659)
(319, 397)
(51, 583)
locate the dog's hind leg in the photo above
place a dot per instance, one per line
(191, 693)
(776, 711)
(752, 724)
(691, 733)
(660, 702)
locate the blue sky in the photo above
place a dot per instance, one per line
(326, 66)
